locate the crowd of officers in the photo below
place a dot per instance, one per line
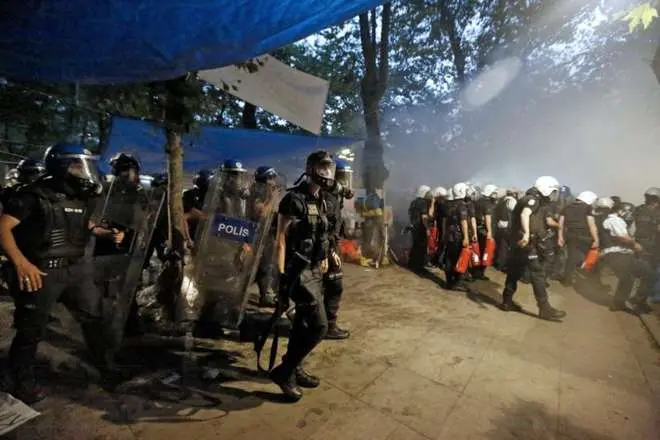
(541, 234)
(52, 211)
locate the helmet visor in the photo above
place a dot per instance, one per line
(82, 167)
(344, 177)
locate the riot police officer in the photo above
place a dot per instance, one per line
(27, 171)
(418, 213)
(333, 286)
(456, 234)
(438, 214)
(302, 260)
(260, 201)
(620, 251)
(578, 231)
(503, 215)
(44, 231)
(485, 208)
(234, 191)
(526, 252)
(123, 195)
(193, 202)
(647, 234)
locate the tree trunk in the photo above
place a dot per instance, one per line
(249, 117)
(373, 87)
(174, 151)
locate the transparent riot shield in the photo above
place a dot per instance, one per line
(118, 267)
(228, 246)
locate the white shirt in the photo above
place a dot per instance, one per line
(616, 227)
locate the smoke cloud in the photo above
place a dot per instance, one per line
(585, 110)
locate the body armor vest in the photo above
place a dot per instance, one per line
(309, 233)
(647, 220)
(66, 230)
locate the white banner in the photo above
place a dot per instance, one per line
(277, 88)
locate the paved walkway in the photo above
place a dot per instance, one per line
(422, 363)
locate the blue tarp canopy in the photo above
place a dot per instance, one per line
(211, 145)
(122, 41)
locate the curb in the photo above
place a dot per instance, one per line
(652, 323)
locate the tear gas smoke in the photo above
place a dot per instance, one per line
(589, 118)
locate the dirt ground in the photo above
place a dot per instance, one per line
(422, 363)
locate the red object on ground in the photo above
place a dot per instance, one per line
(476, 252)
(463, 260)
(432, 241)
(590, 259)
(489, 253)
(349, 250)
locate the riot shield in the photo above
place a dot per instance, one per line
(118, 268)
(228, 246)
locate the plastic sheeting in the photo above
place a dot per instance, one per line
(211, 145)
(121, 41)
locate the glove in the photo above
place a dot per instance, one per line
(283, 291)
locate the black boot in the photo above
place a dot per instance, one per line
(306, 380)
(549, 313)
(509, 305)
(337, 333)
(287, 383)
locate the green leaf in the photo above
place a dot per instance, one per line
(641, 15)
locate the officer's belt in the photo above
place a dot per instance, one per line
(60, 262)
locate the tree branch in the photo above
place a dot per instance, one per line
(367, 48)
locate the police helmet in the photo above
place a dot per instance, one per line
(29, 170)
(489, 191)
(344, 173)
(121, 162)
(652, 192)
(320, 168)
(546, 185)
(626, 211)
(265, 172)
(439, 191)
(422, 191)
(588, 197)
(76, 165)
(460, 191)
(202, 178)
(604, 203)
(11, 178)
(233, 165)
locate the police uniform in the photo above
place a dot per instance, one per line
(306, 247)
(647, 234)
(123, 200)
(193, 198)
(417, 210)
(440, 214)
(52, 234)
(553, 257)
(457, 211)
(501, 224)
(621, 259)
(333, 286)
(577, 236)
(529, 258)
(483, 207)
(266, 269)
